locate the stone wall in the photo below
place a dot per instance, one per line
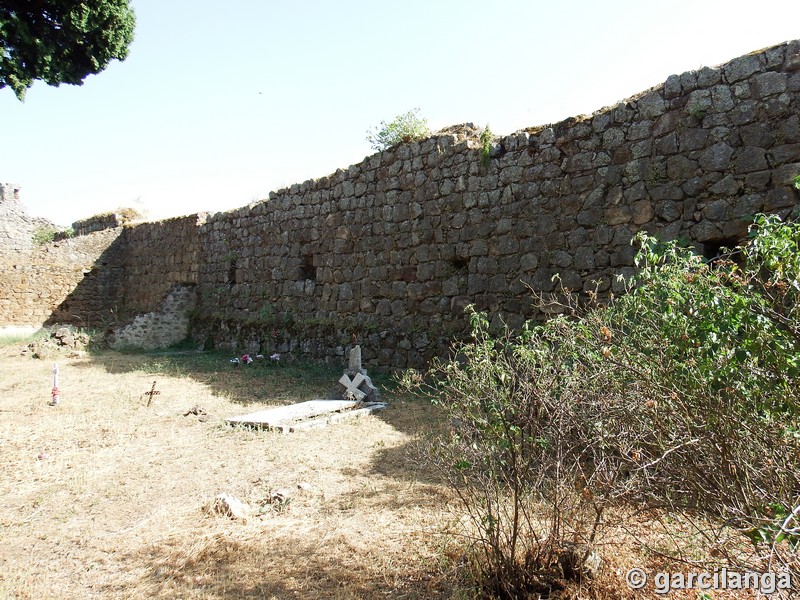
(158, 256)
(102, 279)
(71, 281)
(167, 325)
(103, 221)
(388, 252)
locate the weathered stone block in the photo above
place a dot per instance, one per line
(769, 84)
(617, 215)
(651, 105)
(743, 113)
(746, 207)
(727, 186)
(716, 157)
(785, 153)
(719, 210)
(721, 98)
(639, 131)
(584, 258)
(669, 210)
(706, 231)
(669, 191)
(642, 212)
(613, 138)
(542, 280)
(623, 256)
(750, 159)
(672, 87)
(708, 76)
(667, 144)
(679, 167)
(780, 198)
(742, 67)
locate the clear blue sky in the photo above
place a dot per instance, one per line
(220, 103)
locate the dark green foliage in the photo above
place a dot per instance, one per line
(61, 41)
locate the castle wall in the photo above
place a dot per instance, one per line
(388, 252)
(71, 281)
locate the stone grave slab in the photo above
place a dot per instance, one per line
(305, 415)
(356, 396)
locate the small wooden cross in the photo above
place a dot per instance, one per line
(153, 392)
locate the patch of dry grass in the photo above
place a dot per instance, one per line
(103, 496)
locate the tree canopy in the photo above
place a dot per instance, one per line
(61, 41)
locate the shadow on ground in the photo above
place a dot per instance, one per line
(281, 384)
(261, 381)
(228, 565)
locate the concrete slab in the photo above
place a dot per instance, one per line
(335, 418)
(305, 415)
(294, 412)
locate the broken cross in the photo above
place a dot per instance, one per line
(352, 385)
(354, 365)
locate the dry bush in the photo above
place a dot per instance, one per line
(677, 399)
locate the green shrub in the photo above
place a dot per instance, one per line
(44, 234)
(408, 127)
(486, 139)
(680, 396)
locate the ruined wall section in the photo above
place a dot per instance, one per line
(109, 220)
(102, 279)
(74, 281)
(17, 227)
(389, 251)
(158, 256)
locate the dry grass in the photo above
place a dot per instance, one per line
(103, 496)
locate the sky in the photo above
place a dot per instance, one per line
(216, 107)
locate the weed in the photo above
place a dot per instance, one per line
(13, 338)
(408, 127)
(47, 233)
(680, 395)
(486, 139)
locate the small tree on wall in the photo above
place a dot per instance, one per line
(407, 127)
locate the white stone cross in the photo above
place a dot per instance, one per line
(352, 390)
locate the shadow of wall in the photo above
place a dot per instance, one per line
(51, 282)
(132, 272)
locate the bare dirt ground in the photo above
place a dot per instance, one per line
(103, 496)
